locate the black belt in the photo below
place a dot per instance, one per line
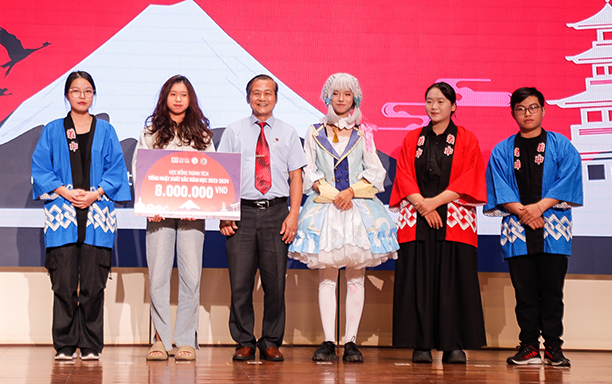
(263, 204)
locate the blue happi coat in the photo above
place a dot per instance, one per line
(561, 180)
(51, 169)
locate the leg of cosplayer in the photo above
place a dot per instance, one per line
(189, 248)
(160, 239)
(328, 279)
(355, 297)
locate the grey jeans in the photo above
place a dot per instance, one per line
(161, 238)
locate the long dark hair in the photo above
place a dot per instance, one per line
(193, 130)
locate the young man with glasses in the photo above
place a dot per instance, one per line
(534, 178)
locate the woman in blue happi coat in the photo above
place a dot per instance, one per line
(79, 173)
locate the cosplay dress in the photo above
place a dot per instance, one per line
(362, 236)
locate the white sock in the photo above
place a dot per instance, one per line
(328, 278)
(355, 297)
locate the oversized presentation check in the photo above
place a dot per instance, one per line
(187, 184)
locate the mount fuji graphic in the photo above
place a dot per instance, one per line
(130, 68)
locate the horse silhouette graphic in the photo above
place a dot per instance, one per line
(15, 50)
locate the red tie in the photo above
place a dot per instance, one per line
(263, 177)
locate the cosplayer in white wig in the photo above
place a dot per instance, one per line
(342, 82)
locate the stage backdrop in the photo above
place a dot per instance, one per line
(484, 49)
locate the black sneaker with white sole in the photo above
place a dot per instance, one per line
(88, 354)
(527, 355)
(554, 356)
(66, 354)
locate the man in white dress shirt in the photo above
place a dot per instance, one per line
(267, 226)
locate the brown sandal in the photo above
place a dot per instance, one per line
(185, 357)
(158, 346)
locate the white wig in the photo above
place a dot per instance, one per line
(342, 82)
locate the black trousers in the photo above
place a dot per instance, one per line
(78, 277)
(257, 243)
(538, 285)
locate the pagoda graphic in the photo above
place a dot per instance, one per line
(593, 136)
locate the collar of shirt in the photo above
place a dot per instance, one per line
(270, 122)
(429, 129)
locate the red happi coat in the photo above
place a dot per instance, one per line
(467, 178)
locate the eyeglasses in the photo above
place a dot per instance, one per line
(533, 109)
(76, 93)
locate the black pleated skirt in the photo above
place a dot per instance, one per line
(436, 303)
